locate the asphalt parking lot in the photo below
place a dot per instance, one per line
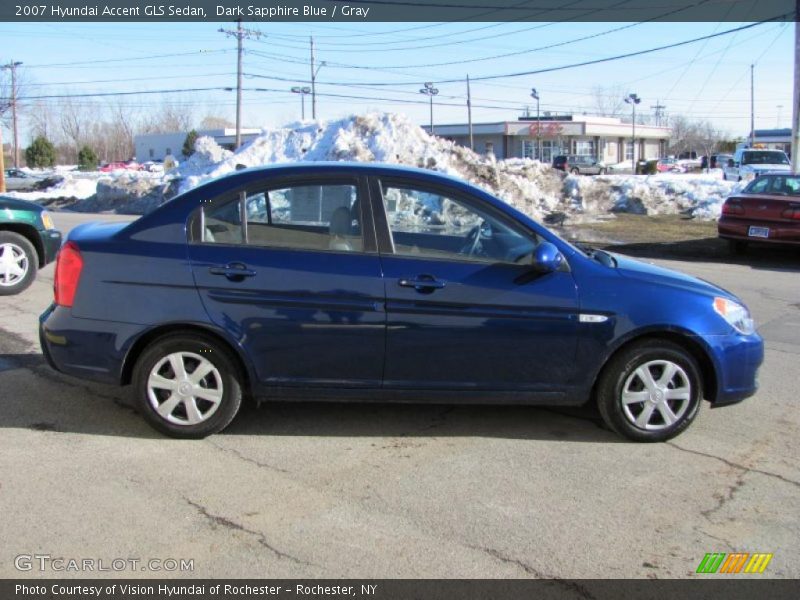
(400, 491)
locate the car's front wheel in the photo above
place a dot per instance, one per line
(187, 385)
(574, 170)
(650, 391)
(18, 263)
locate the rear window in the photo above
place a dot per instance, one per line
(778, 185)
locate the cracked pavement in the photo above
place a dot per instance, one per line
(347, 490)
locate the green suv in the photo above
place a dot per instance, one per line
(28, 241)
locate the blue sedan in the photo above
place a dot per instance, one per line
(377, 282)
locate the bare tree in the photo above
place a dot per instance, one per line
(609, 101)
(170, 117)
(215, 122)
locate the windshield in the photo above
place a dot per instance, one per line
(781, 185)
(765, 158)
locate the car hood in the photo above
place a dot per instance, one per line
(647, 272)
(17, 204)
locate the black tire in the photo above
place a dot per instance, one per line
(574, 170)
(737, 247)
(621, 370)
(603, 172)
(228, 378)
(11, 240)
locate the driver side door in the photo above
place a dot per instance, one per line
(465, 311)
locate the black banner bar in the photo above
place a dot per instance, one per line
(374, 11)
(730, 588)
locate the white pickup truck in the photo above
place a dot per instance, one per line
(749, 163)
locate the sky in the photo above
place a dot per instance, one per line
(382, 66)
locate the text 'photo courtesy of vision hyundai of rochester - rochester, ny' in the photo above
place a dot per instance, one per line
(382, 283)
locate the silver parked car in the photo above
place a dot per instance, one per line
(18, 180)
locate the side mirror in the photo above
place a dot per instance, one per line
(547, 258)
(731, 163)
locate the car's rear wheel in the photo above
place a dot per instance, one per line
(603, 172)
(18, 263)
(574, 170)
(650, 391)
(187, 385)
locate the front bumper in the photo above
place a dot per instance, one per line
(51, 242)
(737, 359)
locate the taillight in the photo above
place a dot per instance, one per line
(732, 207)
(68, 272)
(793, 212)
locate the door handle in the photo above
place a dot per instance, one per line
(234, 271)
(425, 284)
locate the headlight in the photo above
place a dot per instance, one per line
(47, 220)
(735, 314)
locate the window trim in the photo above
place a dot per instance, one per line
(384, 230)
(196, 219)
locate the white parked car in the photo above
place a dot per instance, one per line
(749, 163)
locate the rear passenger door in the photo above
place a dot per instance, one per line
(290, 269)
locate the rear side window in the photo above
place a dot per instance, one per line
(308, 217)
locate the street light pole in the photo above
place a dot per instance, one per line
(303, 91)
(633, 100)
(535, 96)
(430, 91)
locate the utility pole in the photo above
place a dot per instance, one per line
(633, 100)
(469, 116)
(2, 164)
(12, 66)
(752, 107)
(796, 103)
(430, 91)
(659, 112)
(240, 34)
(535, 96)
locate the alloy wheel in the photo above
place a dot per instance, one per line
(13, 264)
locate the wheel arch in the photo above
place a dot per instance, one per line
(151, 335)
(686, 340)
(30, 233)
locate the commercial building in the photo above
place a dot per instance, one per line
(156, 146)
(774, 139)
(607, 139)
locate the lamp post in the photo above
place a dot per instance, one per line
(535, 96)
(633, 100)
(303, 91)
(430, 91)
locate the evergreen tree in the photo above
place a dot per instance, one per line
(41, 153)
(188, 143)
(87, 159)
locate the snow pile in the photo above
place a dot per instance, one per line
(698, 195)
(387, 138)
(73, 185)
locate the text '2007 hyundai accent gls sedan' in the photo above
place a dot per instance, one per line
(376, 282)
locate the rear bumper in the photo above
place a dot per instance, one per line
(85, 348)
(779, 232)
(737, 359)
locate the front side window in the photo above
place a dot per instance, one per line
(428, 224)
(309, 217)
